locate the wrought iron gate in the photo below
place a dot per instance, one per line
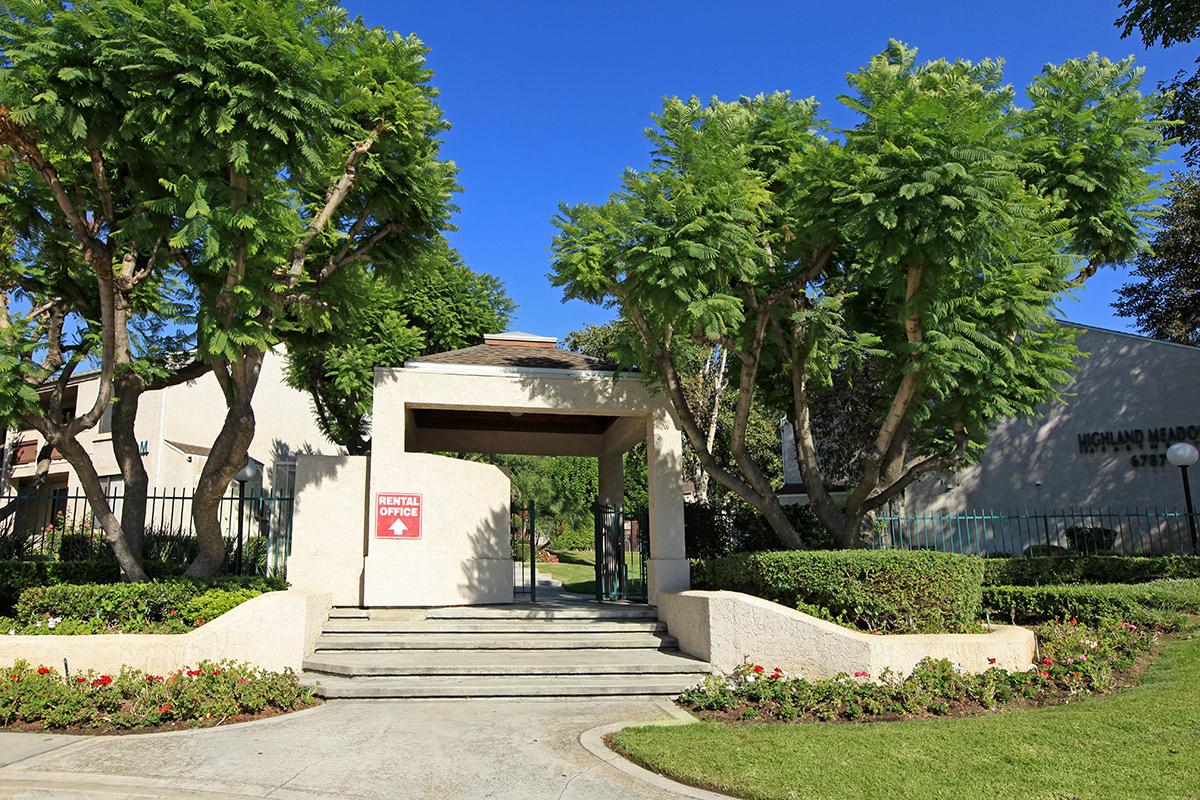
(622, 548)
(524, 550)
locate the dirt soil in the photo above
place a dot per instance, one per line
(180, 725)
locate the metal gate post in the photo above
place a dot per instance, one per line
(533, 552)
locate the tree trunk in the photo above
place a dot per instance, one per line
(702, 477)
(85, 471)
(225, 460)
(127, 391)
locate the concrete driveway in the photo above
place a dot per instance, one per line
(527, 749)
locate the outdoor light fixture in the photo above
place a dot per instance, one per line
(1183, 455)
(246, 473)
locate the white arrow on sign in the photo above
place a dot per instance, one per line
(398, 527)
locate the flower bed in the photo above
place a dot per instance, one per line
(1075, 660)
(170, 606)
(208, 694)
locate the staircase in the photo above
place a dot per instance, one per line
(577, 650)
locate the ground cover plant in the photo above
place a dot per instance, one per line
(169, 606)
(886, 591)
(1074, 660)
(1135, 744)
(208, 694)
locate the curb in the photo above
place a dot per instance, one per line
(592, 740)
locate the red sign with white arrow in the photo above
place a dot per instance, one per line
(397, 515)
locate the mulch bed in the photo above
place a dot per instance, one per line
(180, 725)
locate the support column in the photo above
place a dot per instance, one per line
(668, 566)
(612, 479)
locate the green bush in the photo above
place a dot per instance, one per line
(17, 576)
(583, 538)
(911, 591)
(135, 699)
(1087, 569)
(1159, 604)
(134, 606)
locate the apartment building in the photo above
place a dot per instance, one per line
(175, 428)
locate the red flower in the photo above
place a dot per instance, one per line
(1047, 661)
(1074, 621)
(172, 613)
(757, 668)
(43, 670)
(193, 672)
(81, 680)
(1076, 674)
(165, 708)
(103, 680)
(216, 672)
(862, 674)
(991, 661)
(1044, 674)
(14, 677)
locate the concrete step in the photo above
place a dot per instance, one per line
(348, 612)
(477, 641)
(575, 611)
(501, 626)
(498, 686)
(507, 662)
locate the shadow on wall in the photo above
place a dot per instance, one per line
(482, 540)
(1125, 384)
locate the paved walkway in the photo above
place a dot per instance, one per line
(445, 749)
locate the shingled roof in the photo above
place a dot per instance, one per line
(493, 355)
(519, 350)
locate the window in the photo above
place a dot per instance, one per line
(106, 420)
(113, 486)
(283, 479)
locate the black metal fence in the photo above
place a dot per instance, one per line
(60, 526)
(1074, 531)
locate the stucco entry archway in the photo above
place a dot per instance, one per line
(515, 394)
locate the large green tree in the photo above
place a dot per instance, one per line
(446, 307)
(247, 150)
(930, 241)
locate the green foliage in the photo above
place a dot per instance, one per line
(901, 592)
(1074, 660)
(1087, 569)
(445, 307)
(580, 538)
(1159, 604)
(17, 576)
(135, 699)
(563, 488)
(926, 246)
(1164, 297)
(178, 604)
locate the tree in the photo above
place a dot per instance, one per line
(1165, 300)
(252, 148)
(1168, 24)
(446, 308)
(931, 241)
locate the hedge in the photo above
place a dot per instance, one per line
(1160, 604)
(1087, 569)
(17, 576)
(132, 604)
(910, 592)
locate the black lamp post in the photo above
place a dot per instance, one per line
(1183, 455)
(246, 473)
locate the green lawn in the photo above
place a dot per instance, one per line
(1141, 743)
(575, 568)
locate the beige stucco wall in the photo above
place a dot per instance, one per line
(274, 631)
(728, 628)
(192, 413)
(329, 527)
(463, 555)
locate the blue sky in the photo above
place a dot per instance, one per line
(549, 99)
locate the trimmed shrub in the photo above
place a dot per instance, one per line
(908, 592)
(131, 606)
(1087, 569)
(582, 538)
(1159, 604)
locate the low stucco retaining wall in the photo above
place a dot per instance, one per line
(727, 628)
(274, 631)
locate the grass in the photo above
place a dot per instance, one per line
(1137, 744)
(575, 568)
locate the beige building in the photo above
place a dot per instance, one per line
(175, 428)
